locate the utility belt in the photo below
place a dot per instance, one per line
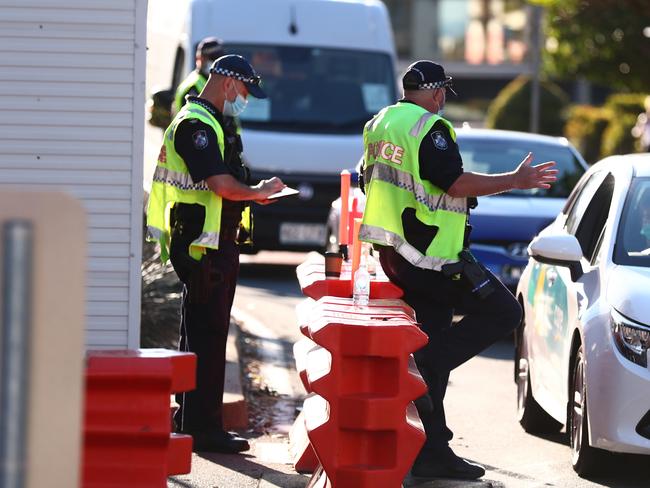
(472, 271)
(187, 220)
(469, 269)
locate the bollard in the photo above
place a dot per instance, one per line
(127, 432)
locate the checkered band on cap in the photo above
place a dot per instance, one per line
(431, 86)
(238, 76)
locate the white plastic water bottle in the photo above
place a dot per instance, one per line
(361, 290)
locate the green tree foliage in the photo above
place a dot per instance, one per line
(598, 132)
(605, 41)
(617, 137)
(585, 127)
(510, 110)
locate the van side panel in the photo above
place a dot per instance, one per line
(327, 23)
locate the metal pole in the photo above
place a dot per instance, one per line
(535, 46)
(14, 364)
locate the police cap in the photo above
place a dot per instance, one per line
(210, 47)
(426, 75)
(237, 67)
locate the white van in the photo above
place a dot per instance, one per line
(328, 66)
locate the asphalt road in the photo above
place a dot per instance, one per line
(480, 403)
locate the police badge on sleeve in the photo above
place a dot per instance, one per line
(200, 139)
(439, 140)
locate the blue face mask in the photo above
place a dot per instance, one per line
(236, 107)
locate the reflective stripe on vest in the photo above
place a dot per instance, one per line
(419, 125)
(179, 180)
(207, 239)
(405, 180)
(402, 247)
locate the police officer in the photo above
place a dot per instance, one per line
(200, 175)
(416, 215)
(207, 51)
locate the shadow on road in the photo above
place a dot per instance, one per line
(503, 350)
(246, 465)
(278, 279)
(623, 471)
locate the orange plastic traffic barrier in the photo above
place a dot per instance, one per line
(336, 303)
(311, 276)
(301, 351)
(361, 421)
(335, 307)
(302, 454)
(127, 429)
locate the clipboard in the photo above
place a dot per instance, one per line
(285, 192)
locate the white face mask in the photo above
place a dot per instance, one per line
(441, 106)
(236, 107)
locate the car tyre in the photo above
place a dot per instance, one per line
(532, 417)
(584, 458)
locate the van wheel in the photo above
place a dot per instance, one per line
(584, 458)
(531, 416)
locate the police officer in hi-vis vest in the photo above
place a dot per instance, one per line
(207, 51)
(416, 215)
(195, 210)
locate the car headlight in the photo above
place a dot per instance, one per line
(632, 339)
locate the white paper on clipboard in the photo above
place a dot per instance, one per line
(285, 192)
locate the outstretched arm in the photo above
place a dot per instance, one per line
(523, 178)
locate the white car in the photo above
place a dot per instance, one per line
(581, 355)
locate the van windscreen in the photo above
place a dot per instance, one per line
(318, 90)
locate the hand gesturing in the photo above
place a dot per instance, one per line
(539, 176)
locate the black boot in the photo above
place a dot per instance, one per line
(221, 441)
(444, 464)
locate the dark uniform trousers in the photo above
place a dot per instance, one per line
(208, 293)
(434, 298)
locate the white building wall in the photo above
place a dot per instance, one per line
(72, 91)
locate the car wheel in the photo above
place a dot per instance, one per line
(531, 416)
(584, 458)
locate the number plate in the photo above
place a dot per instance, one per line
(291, 233)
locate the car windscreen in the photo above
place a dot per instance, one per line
(632, 246)
(313, 89)
(503, 155)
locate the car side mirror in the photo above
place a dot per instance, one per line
(159, 108)
(558, 250)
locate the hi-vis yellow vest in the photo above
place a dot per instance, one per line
(172, 184)
(194, 79)
(391, 172)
